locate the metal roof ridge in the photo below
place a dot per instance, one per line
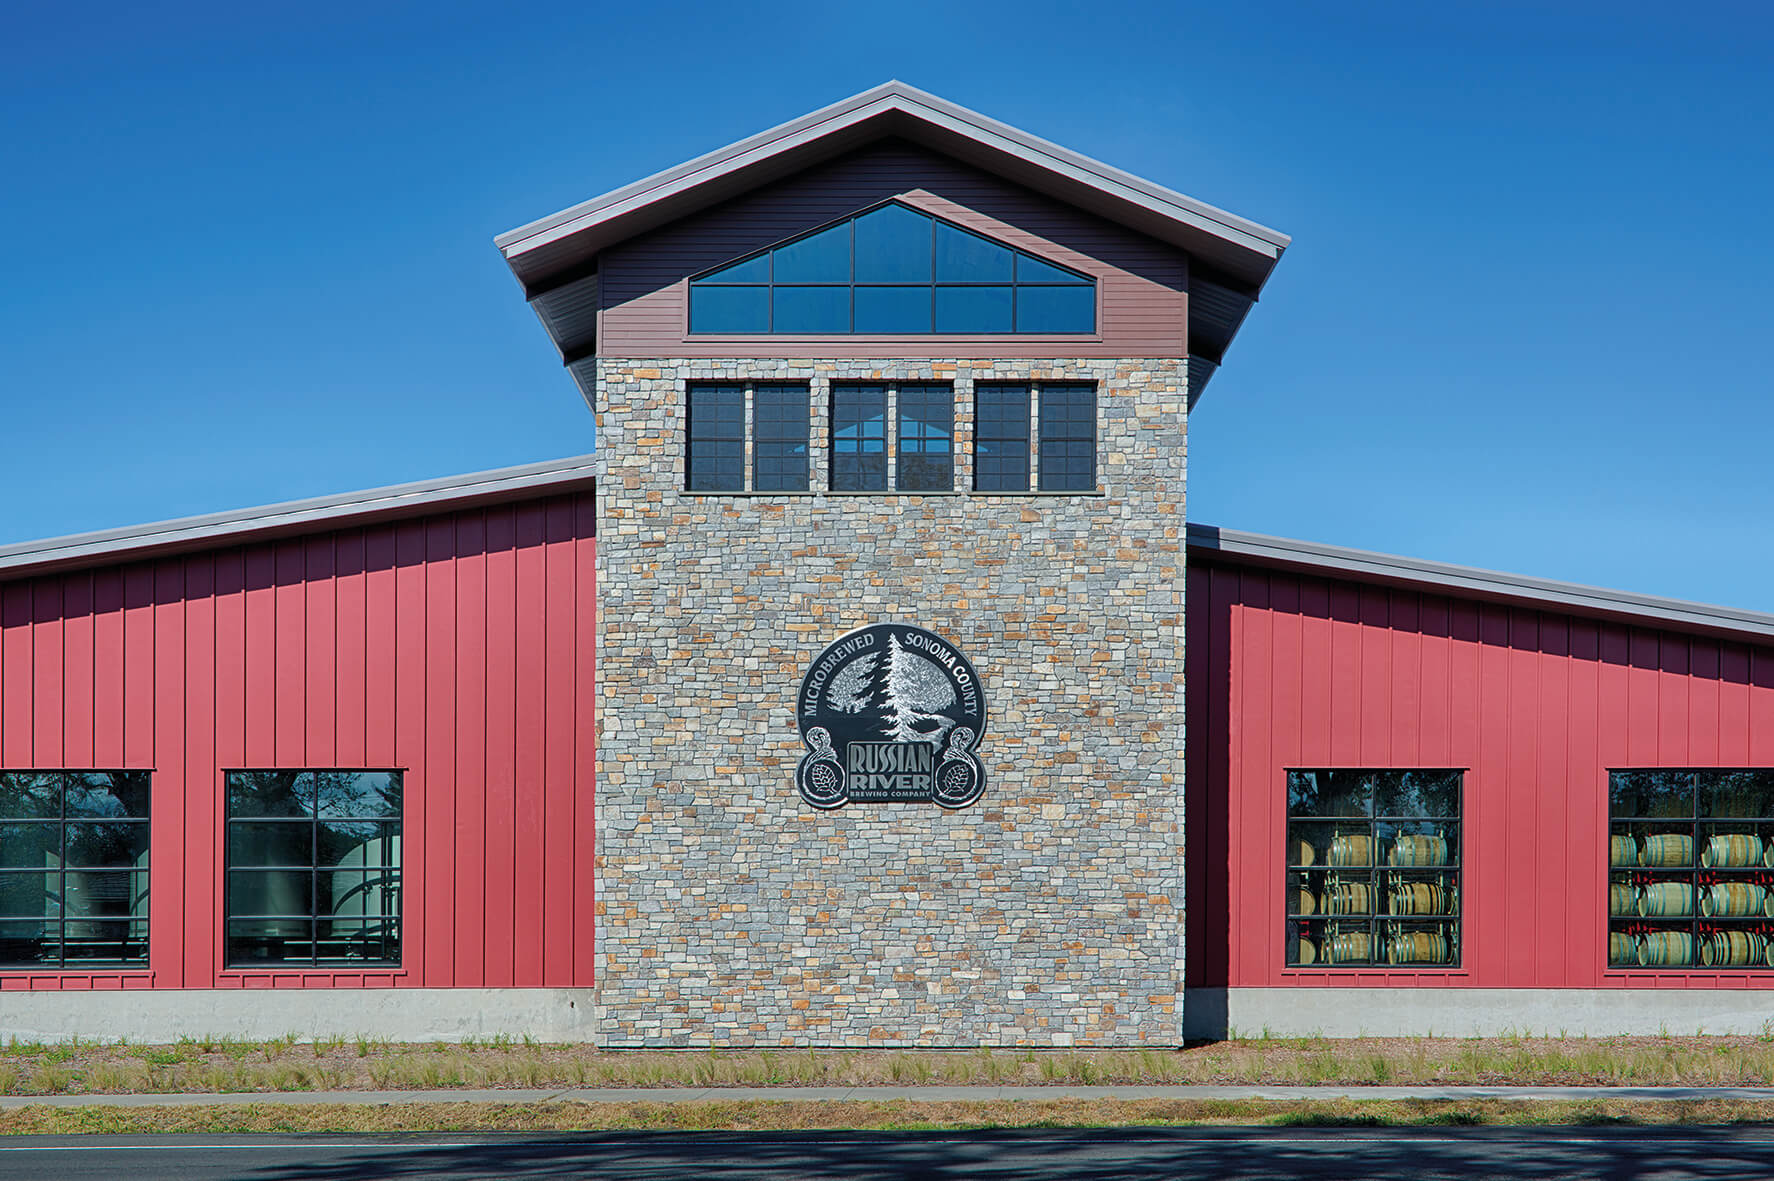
(132, 540)
(1474, 579)
(891, 95)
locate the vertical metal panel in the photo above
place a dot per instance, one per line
(468, 870)
(457, 648)
(531, 731)
(1287, 670)
(500, 641)
(559, 743)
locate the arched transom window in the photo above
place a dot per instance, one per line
(892, 270)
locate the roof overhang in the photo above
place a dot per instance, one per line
(1209, 543)
(317, 514)
(1234, 257)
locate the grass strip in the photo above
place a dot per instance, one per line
(291, 1064)
(898, 1115)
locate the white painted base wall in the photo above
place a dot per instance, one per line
(1473, 1012)
(397, 1014)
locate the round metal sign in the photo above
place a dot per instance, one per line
(890, 714)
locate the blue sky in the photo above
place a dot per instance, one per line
(1523, 325)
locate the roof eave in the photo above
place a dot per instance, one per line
(315, 514)
(1243, 246)
(1471, 582)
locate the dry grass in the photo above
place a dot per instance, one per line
(779, 1115)
(286, 1064)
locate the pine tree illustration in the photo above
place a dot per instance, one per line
(914, 693)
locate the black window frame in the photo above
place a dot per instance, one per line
(1642, 927)
(769, 465)
(775, 467)
(1355, 903)
(769, 286)
(1067, 437)
(846, 469)
(393, 922)
(919, 440)
(1012, 413)
(132, 942)
(712, 426)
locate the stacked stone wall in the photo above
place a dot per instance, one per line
(733, 913)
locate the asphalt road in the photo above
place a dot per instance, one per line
(1133, 1154)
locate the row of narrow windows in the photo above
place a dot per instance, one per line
(897, 437)
(1373, 869)
(312, 860)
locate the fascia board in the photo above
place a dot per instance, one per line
(1473, 582)
(881, 101)
(137, 542)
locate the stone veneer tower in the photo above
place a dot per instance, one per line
(1049, 912)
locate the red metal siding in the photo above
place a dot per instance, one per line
(1287, 670)
(458, 647)
(1142, 301)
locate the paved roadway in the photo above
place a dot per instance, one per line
(1132, 1155)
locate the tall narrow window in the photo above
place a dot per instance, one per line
(313, 867)
(1372, 868)
(779, 442)
(1068, 438)
(73, 868)
(925, 460)
(859, 438)
(1001, 438)
(1689, 861)
(716, 458)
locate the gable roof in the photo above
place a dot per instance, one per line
(1233, 256)
(1208, 543)
(313, 515)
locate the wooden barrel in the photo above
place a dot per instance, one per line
(1622, 850)
(1301, 853)
(1666, 947)
(1307, 903)
(1348, 947)
(1416, 849)
(1666, 849)
(1731, 850)
(1350, 850)
(1349, 898)
(1622, 898)
(1731, 948)
(1420, 898)
(1733, 899)
(1622, 948)
(1417, 947)
(1664, 899)
(1308, 951)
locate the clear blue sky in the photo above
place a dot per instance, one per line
(1524, 323)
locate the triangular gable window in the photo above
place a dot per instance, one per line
(892, 271)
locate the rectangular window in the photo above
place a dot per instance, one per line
(925, 461)
(859, 438)
(1001, 438)
(1068, 438)
(73, 868)
(313, 862)
(716, 455)
(779, 442)
(1691, 869)
(1372, 868)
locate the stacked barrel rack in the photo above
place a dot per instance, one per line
(1690, 875)
(1373, 869)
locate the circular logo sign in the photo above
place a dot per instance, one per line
(891, 714)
